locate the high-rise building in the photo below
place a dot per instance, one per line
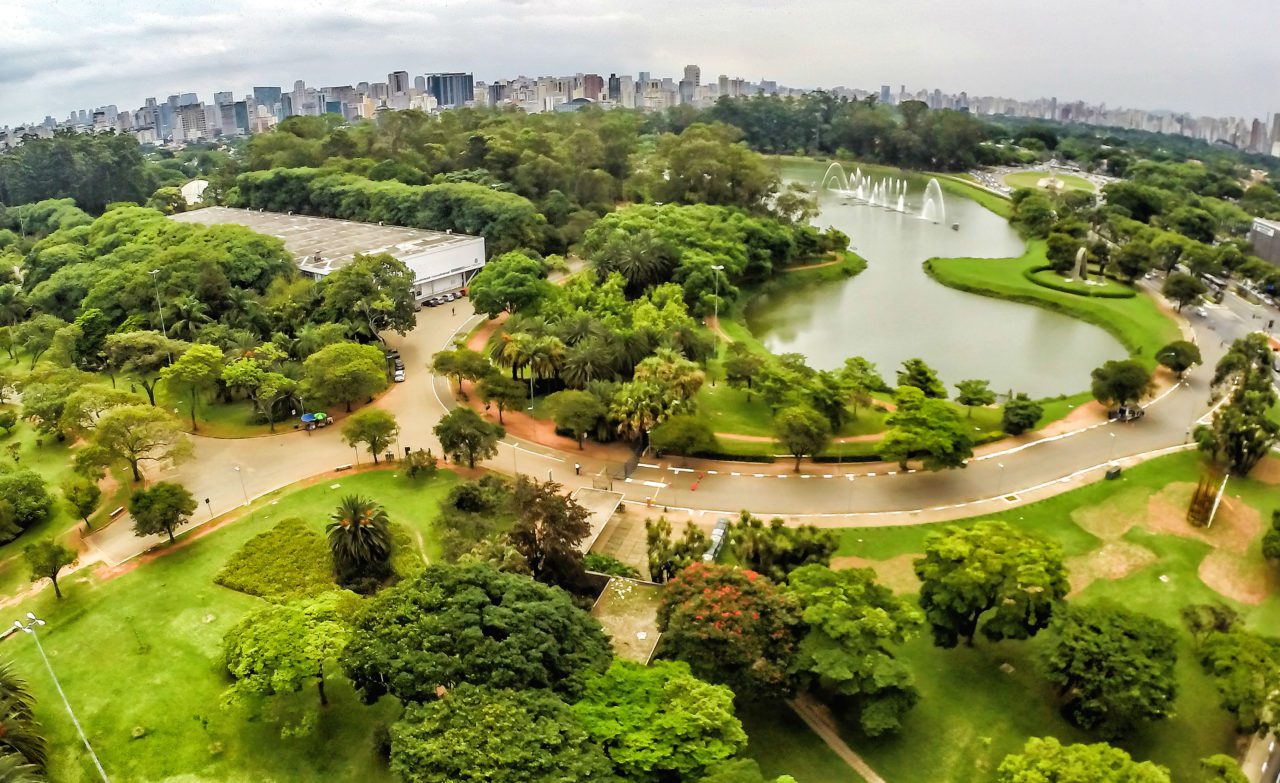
(693, 73)
(398, 81)
(220, 98)
(420, 83)
(266, 96)
(615, 88)
(592, 86)
(451, 89)
(191, 123)
(886, 94)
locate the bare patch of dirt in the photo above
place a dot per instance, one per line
(1235, 526)
(1112, 519)
(1111, 561)
(1267, 471)
(896, 573)
(1247, 580)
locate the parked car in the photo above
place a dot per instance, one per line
(399, 376)
(399, 364)
(1124, 413)
(718, 535)
(433, 301)
(1200, 311)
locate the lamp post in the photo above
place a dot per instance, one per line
(1111, 453)
(160, 311)
(243, 491)
(717, 268)
(30, 628)
(1000, 481)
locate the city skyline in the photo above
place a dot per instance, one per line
(56, 62)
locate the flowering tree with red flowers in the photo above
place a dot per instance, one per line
(731, 626)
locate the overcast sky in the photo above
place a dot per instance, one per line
(1215, 58)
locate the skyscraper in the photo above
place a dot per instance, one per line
(592, 86)
(398, 81)
(693, 73)
(451, 89)
(420, 83)
(886, 94)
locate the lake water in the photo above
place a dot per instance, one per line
(893, 311)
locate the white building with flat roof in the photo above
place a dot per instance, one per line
(440, 261)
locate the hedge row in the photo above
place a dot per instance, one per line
(506, 221)
(1031, 272)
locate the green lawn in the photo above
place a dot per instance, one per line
(1137, 322)
(142, 651)
(952, 737)
(1051, 279)
(1031, 179)
(961, 186)
(783, 745)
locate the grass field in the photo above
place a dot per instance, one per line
(143, 651)
(1031, 179)
(1107, 288)
(1137, 322)
(1125, 541)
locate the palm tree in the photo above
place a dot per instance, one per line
(359, 540)
(188, 314)
(587, 361)
(637, 407)
(514, 350)
(14, 768)
(19, 731)
(547, 357)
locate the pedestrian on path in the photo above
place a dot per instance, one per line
(577, 469)
(453, 311)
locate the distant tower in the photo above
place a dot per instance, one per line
(693, 74)
(398, 82)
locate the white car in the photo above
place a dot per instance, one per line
(399, 376)
(1200, 311)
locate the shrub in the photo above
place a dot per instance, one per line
(288, 561)
(24, 502)
(608, 564)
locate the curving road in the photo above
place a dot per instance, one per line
(863, 494)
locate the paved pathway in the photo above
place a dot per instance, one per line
(818, 717)
(832, 494)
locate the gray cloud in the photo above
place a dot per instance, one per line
(1180, 54)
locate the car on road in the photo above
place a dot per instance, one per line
(1200, 311)
(1125, 413)
(399, 376)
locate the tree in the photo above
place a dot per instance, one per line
(472, 624)
(668, 370)
(659, 722)
(1133, 259)
(1061, 251)
(1020, 414)
(851, 625)
(161, 508)
(1204, 619)
(36, 335)
(741, 365)
(1242, 432)
(343, 373)
(1120, 382)
(801, 430)
(731, 626)
(578, 412)
(8, 421)
(134, 434)
(497, 389)
(360, 545)
(508, 283)
(916, 373)
(668, 557)
(1114, 669)
(46, 559)
(989, 570)
(1271, 538)
(1046, 760)
(461, 364)
(480, 734)
(1183, 289)
(685, 435)
(282, 648)
(549, 531)
(24, 501)
(265, 389)
(143, 354)
(638, 407)
(195, 372)
(861, 379)
(375, 428)
(82, 496)
(1179, 356)
(1245, 668)
(926, 428)
(372, 293)
(21, 737)
(464, 435)
(1221, 768)
(82, 408)
(776, 550)
(974, 394)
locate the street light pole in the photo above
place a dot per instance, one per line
(244, 491)
(717, 268)
(30, 628)
(1000, 482)
(1111, 453)
(160, 310)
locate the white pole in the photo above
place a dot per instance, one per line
(31, 629)
(1217, 501)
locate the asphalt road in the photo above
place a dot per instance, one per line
(855, 495)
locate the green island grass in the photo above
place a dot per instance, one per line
(1137, 323)
(1031, 179)
(947, 737)
(143, 650)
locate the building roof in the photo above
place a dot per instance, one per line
(1272, 224)
(322, 245)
